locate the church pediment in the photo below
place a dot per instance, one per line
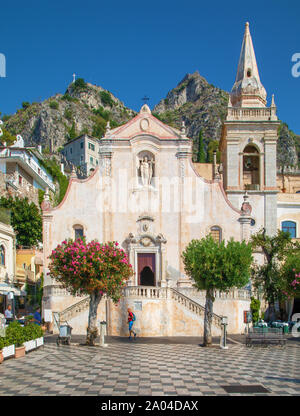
(145, 124)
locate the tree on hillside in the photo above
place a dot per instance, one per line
(201, 152)
(93, 269)
(269, 276)
(26, 220)
(286, 155)
(215, 265)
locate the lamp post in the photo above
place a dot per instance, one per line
(224, 323)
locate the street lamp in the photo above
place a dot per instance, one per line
(224, 323)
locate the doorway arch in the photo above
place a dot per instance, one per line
(147, 277)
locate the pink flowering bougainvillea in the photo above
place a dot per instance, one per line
(291, 275)
(91, 268)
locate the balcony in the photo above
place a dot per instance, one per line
(27, 162)
(263, 114)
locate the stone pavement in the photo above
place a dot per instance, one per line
(137, 368)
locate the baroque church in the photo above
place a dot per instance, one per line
(148, 195)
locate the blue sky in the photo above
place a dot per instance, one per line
(138, 47)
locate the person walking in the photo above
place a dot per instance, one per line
(131, 319)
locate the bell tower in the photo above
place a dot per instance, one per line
(248, 143)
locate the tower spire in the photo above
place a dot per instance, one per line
(248, 90)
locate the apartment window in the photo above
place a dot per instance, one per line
(81, 158)
(290, 227)
(2, 255)
(81, 145)
(20, 180)
(96, 161)
(91, 160)
(71, 151)
(91, 146)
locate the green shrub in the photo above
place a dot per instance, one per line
(32, 331)
(25, 104)
(106, 98)
(79, 85)
(15, 334)
(68, 114)
(54, 105)
(255, 306)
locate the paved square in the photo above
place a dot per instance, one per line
(132, 368)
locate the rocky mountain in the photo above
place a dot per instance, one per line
(200, 104)
(84, 108)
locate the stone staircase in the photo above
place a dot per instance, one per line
(189, 303)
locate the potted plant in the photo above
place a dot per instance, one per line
(29, 335)
(16, 333)
(2, 344)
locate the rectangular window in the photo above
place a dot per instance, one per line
(20, 180)
(91, 160)
(81, 145)
(71, 150)
(91, 146)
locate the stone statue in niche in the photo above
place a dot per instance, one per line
(146, 170)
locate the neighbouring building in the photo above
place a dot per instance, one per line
(10, 289)
(82, 152)
(21, 171)
(148, 195)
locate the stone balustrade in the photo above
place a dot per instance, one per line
(263, 113)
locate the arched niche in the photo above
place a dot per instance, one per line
(145, 168)
(251, 167)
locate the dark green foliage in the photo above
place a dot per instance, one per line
(25, 104)
(213, 146)
(26, 220)
(67, 97)
(254, 307)
(215, 265)
(41, 196)
(68, 114)
(106, 98)
(99, 127)
(17, 334)
(102, 113)
(156, 115)
(79, 85)
(5, 216)
(72, 132)
(54, 105)
(7, 137)
(34, 293)
(54, 169)
(201, 152)
(269, 276)
(285, 147)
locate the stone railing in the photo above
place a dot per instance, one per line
(148, 292)
(239, 294)
(73, 310)
(263, 113)
(193, 306)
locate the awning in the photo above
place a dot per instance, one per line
(5, 289)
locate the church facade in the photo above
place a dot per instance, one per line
(147, 194)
